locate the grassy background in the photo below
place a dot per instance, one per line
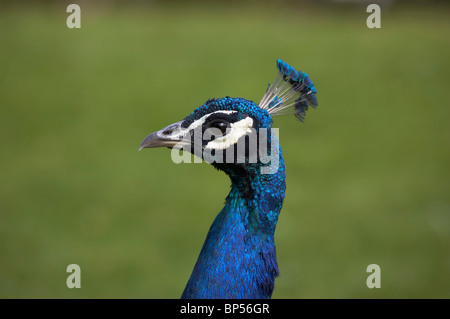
(368, 174)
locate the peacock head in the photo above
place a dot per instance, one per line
(235, 134)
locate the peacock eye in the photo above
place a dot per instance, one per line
(222, 125)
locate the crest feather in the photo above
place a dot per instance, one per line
(291, 92)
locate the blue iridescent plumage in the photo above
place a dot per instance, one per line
(238, 257)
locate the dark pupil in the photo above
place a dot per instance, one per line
(221, 125)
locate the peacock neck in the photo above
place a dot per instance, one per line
(238, 258)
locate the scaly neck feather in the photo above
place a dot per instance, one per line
(238, 258)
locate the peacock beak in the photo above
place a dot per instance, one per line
(170, 136)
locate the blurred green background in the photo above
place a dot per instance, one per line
(367, 175)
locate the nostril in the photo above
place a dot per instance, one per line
(168, 132)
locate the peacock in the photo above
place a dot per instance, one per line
(235, 135)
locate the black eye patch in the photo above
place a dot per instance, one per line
(221, 117)
(220, 124)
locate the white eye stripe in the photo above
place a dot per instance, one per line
(236, 131)
(202, 120)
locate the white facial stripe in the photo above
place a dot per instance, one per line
(202, 120)
(236, 131)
